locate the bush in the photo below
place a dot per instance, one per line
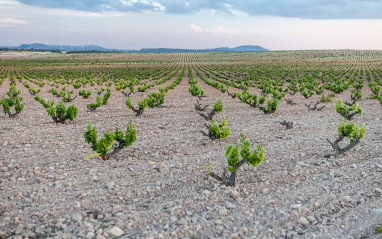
(271, 106)
(12, 101)
(85, 93)
(98, 103)
(348, 112)
(351, 131)
(33, 91)
(105, 147)
(67, 97)
(327, 98)
(60, 113)
(45, 103)
(218, 131)
(233, 153)
(196, 90)
(106, 97)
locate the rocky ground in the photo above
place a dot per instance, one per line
(158, 187)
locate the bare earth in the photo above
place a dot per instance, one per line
(158, 187)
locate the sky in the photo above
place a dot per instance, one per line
(194, 24)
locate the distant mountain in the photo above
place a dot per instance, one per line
(220, 49)
(44, 47)
(94, 48)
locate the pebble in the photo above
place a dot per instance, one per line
(296, 206)
(235, 194)
(234, 236)
(303, 221)
(206, 193)
(347, 199)
(115, 232)
(223, 212)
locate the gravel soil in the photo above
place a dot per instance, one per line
(158, 187)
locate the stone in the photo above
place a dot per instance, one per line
(163, 167)
(90, 235)
(296, 206)
(234, 236)
(235, 194)
(347, 199)
(206, 193)
(110, 185)
(115, 232)
(303, 221)
(223, 212)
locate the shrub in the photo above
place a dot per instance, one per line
(105, 147)
(98, 103)
(233, 153)
(60, 113)
(142, 105)
(106, 97)
(85, 93)
(45, 103)
(216, 108)
(12, 101)
(351, 131)
(67, 97)
(271, 106)
(327, 98)
(196, 90)
(218, 131)
(348, 112)
(33, 91)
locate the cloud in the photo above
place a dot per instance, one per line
(308, 9)
(196, 28)
(11, 22)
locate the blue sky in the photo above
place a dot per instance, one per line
(135, 24)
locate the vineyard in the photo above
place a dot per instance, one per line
(191, 145)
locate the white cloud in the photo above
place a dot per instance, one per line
(158, 6)
(196, 28)
(8, 3)
(11, 22)
(220, 29)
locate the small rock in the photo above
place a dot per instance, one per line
(115, 232)
(303, 221)
(5, 144)
(223, 212)
(271, 202)
(244, 230)
(219, 222)
(317, 204)
(378, 190)
(347, 199)
(235, 194)
(90, 235)
(296, 206)
(234, 236)
(206, 193)
(163, 167)
(110, 185)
